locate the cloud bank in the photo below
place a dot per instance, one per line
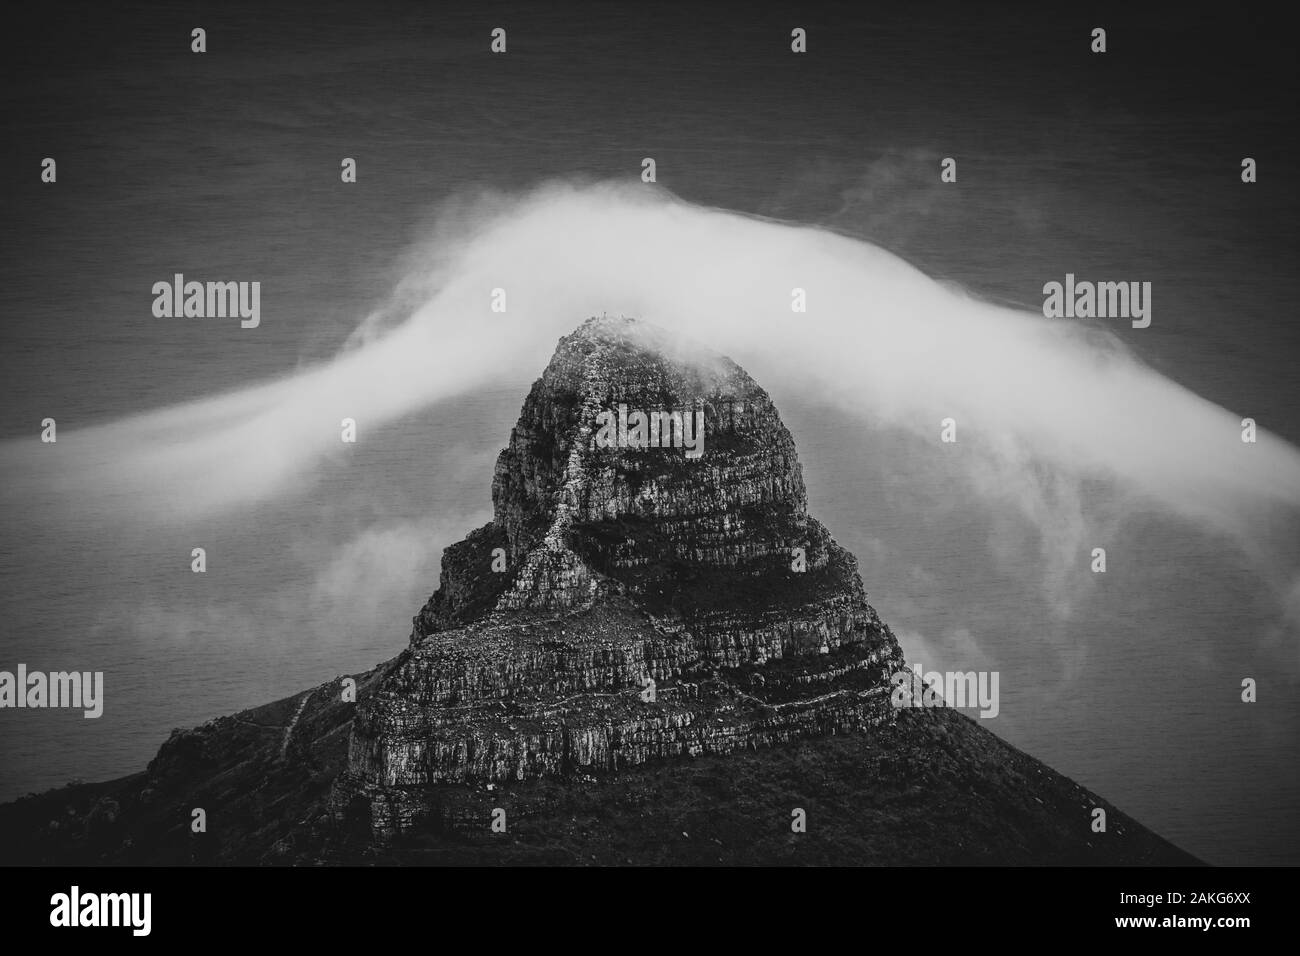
(1041, 405)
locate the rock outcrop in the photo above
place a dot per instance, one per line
(626, 603)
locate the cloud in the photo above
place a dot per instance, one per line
(1043, 406)
(379, 569)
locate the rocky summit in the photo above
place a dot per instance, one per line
(651, 654)
(628, 602)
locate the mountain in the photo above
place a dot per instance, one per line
(651, 654)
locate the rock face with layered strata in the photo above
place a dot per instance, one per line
(626, 604)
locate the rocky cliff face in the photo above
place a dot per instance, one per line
(628, 602)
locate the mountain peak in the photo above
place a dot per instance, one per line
(646, 465)
(651, 585)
